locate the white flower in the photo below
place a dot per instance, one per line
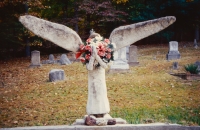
(98, 38)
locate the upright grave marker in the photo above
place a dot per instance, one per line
(133, 58)
(120, 61)
(35, 59)
(173, 53)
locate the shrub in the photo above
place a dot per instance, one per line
(192, 68)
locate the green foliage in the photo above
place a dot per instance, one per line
(192, 68)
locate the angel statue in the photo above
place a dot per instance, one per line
(96, 52)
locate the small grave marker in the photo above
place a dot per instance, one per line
(35, 59)
(56, 74)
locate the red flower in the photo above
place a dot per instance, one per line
(87, 57)
(88, 48)
(82, 59)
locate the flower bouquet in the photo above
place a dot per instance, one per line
(105, 50)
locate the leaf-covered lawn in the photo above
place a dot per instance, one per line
(146, 94)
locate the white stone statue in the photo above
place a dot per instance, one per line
(68, 39)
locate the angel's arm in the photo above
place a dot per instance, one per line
(129, 34)
(58, 34)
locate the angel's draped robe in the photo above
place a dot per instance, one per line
(97, 102)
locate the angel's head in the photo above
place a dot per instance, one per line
(93, 34)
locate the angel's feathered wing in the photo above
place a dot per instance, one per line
(126, 35)
(56, 33)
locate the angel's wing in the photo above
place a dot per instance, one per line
(56, 33)
(126, 35)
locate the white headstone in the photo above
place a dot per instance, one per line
(173, 53)
(133, 58)
(35, 59)
(120, 61)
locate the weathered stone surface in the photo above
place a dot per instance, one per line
(64, 60)
(198, 64)
(195, 44)
(129, 34)
(120, 61)
(133, 57)
(173, 53)
(153, 126)
(59, 34)
(175, 65)
(35, 59)
(56, 74)
(118, 121)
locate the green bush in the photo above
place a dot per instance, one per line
(192, 68)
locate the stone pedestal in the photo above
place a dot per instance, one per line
(133, 57)
(173, 53)
(120, 61)
(35, 59)
(82, 121)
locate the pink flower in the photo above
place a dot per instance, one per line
(108, 56)
(88, 40)
(107, 41)
(87, 47)
(101, 53)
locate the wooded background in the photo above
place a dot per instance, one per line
(101, 15)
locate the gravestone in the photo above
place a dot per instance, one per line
(173, 53)
(133, 58)
(198, 64)
(195, 44)
(120, 62)
(35, 59)
(50, 60)
(56, 74)
(175, 65)
(64, 60)
(51, 57)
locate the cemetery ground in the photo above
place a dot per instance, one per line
(147, 94)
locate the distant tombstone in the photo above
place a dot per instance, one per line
(35, 59)
(120, 61)
(56, 74)
(175, 65)
(197, 63)
(195, 44)
(64, 60)
(51, 57)
(173, 51)
(133, 57)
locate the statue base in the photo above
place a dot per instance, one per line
(82, 121)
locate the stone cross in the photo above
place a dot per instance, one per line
(35, 59)
(133, 58)
(173, 51)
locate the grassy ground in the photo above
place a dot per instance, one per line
(147, 94)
